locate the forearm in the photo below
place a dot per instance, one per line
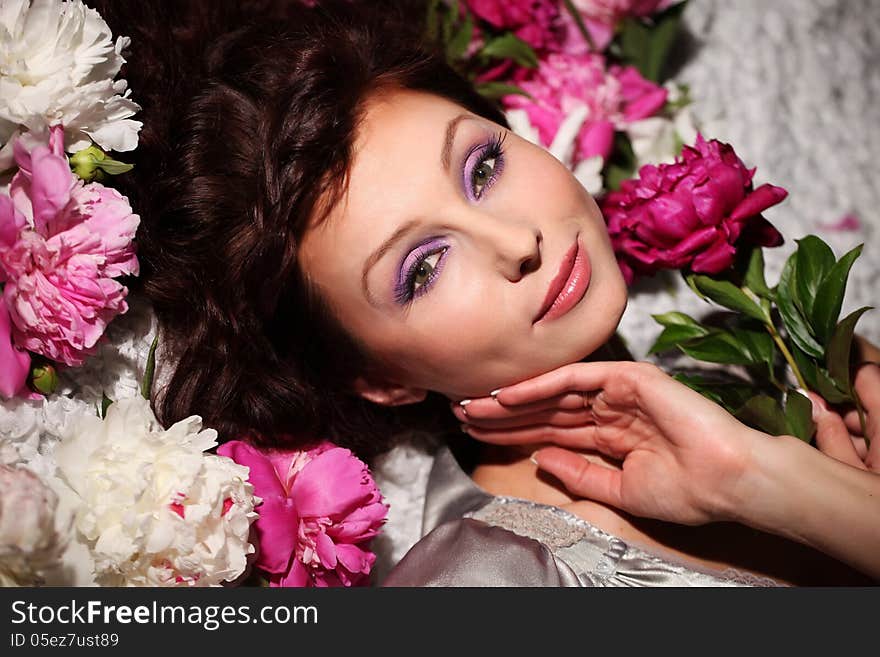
(797, 492)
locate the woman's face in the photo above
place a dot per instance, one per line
(454, 239)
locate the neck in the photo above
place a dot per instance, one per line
(508, 470)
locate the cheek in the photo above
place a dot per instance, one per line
(455, 334)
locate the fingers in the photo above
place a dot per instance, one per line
(832, 436)
(580, 476)
(867, 385)
(554, 417)
(487, 408)
(577, 377)
(582, 437)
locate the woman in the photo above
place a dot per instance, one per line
(339, 236)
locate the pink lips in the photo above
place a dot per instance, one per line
(568, 286)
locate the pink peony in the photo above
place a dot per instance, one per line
(611, 11)
(15, 364)
(61, 245)
(320, 508)
(689, 214)
(614, 96)
(537, 22)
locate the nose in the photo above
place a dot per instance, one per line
(514, 245)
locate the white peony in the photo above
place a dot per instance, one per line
(29, 542)
(153, 509)
(57, 64)
(658, 139)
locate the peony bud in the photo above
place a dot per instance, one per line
(44, 378)
(93, 164)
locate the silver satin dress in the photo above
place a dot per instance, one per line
(472, 538)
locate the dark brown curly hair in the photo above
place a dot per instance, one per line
(250, 110)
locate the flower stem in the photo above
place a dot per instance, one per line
(786, 354)
(579, 21)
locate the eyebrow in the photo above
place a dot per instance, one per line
(377, 255)
(402, 231)
(451, 127)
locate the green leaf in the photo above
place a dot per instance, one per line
(829, 295)
(764, 413)
(728, 295)
(150, 369)
(758, 345)
(678, 319)
(689, 279)
(449, 21)
(817, 378)
(647, 46)
(114, 167)
(621, 165)
(459, 42)
(729, 394)
(672, 337)
(839, 350)
(494, 90)
(509, 46)
(799, 416)
(105, 403)
(718, 347)
(432, 29)
(754, 278)
(814, 259)
(794, 322)
(614, 176)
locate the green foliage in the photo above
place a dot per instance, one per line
(150, 369)
(646, 44)
(510, 46)
(793, 325)
(621, 165)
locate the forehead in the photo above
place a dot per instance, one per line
(395, 160)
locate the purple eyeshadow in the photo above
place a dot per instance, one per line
(407, 268)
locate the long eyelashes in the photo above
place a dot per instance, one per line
(474, 173)
(422, 266)
(420, 269)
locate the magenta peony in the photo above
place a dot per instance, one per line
(614, 96)
(690, 214)
(537, 22)
(62, 243)
(320, 509)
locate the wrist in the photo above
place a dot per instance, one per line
(758, 496)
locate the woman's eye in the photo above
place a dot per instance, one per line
(424, 270)
(482, 175)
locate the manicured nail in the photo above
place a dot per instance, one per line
(465, 402)
(494, 393)
(533, 459)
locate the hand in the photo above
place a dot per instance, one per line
(683, 457)
(841, 437)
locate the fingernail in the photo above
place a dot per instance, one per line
(533, 459)
(465, 402)
(465, 428)
(816, 407)
(494, 393)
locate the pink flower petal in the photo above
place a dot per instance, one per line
(262, 473)
(332, 484)
(759, 200)
(276, 531)
(15, 364)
